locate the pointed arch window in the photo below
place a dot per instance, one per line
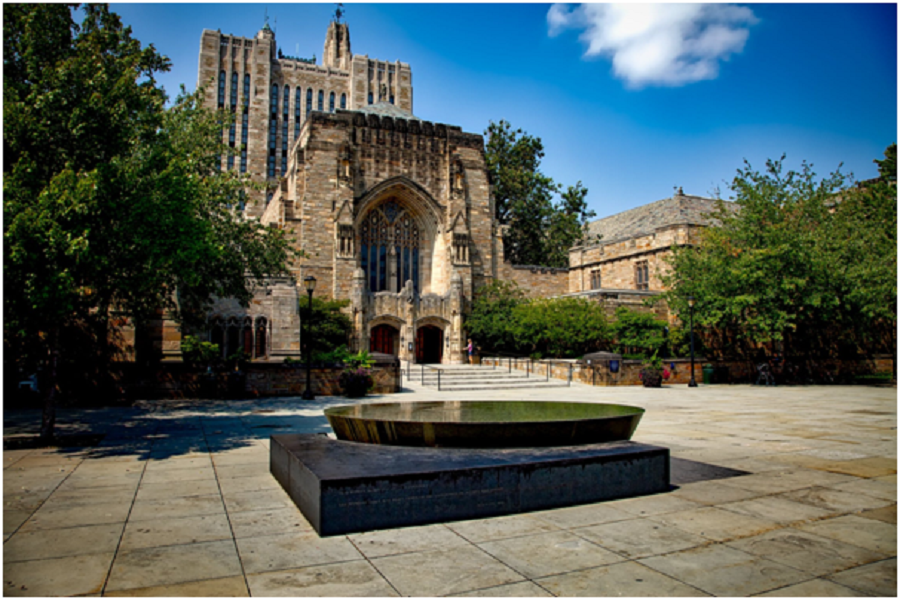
(321, 104)
(390, 248)
(261, 337)
(308, 101)
(331, 102)
(343, 101)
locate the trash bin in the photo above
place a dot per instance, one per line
(708, 371)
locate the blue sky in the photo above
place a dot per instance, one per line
(631, 101)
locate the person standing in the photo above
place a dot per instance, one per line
(470, 349)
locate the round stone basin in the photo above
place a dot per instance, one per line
(484, 424)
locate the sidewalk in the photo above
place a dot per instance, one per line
(177, 500)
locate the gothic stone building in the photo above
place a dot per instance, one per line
(392, 212)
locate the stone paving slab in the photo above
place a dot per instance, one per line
(177, 500)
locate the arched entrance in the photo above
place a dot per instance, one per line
(383, 339)
(429, 344)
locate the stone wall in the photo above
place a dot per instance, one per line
(537, 282)
(178, 380)
(724, 372)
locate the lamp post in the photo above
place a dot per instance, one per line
(693, 382)
(310, 286)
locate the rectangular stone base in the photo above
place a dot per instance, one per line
(346, 487)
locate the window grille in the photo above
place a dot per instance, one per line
(642, 275)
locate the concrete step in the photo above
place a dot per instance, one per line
(499, 385)
(471, 376)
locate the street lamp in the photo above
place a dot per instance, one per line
(310, 286)
(693, 382)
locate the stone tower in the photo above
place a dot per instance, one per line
(337, 47)
(272, 95)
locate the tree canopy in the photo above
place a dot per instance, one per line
(540, 231)
(111, 202)
(504, 320)
(808, 264)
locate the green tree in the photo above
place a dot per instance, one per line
(539, 232)
(112, 204)
(807, 264)
(504, 320)
(328, 328)
(559, 327)
(489, 322)
(638, 332)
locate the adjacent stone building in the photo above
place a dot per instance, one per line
(631, 246)
(392, 212)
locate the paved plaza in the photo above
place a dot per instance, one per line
(177, 500)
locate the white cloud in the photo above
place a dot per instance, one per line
(657, 44)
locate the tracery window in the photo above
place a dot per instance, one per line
(389, 248)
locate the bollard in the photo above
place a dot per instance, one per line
(528, 369)
(547, 370)
(423, 373)
(439, 379)
(570, 375)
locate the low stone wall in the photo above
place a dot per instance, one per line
(679, 369)
(596, 374)
(177, 380)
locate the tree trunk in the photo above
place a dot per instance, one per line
(48, 419)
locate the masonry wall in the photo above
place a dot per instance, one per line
(177, 380)
(537, 282)
(724, 372)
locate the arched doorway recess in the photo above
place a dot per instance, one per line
(429, 344)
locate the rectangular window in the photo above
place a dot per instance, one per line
(642, 275)
(595, 279)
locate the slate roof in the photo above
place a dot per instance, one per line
(386, 109)
(680, 209)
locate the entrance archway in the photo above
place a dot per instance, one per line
(383, 339)
(429, 344)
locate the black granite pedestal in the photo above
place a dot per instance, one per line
(346, 487)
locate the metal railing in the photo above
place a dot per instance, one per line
(513, 361)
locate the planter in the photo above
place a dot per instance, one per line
(651, 378)
(356, 383)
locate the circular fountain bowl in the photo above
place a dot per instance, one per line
(484, 424)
